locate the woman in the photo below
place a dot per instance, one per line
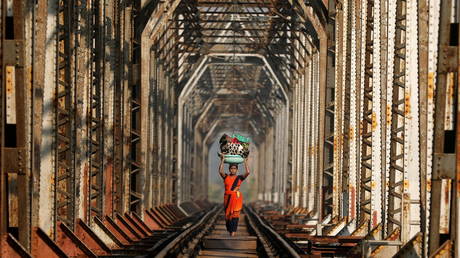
(233, 199)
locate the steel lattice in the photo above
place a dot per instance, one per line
(367, 116)
(95, 114)
(395, 186)
(65, 137)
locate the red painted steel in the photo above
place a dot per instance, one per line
(90, 239)
(43, 246)
(136, 227)
(124, 224)
(159, 215)
(119, 233)
(155, 219)
(108, 192)
(140, 222)
(10, 247)
(171, 219)
(70, 243)
(117, 244)
(127, 229)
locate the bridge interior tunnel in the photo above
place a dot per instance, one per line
(110, 109)
(237, 66)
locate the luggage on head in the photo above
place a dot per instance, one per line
(235, 148)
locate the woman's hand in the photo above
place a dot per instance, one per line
(221, 166)
(222, 158)
(246, 166)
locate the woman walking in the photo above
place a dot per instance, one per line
(233, 199)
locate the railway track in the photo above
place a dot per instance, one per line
(207, 237)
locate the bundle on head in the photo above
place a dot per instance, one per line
(235, 145)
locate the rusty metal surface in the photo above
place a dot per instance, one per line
(90, 239)
(445, 64)
(413, 248)
(65, 116)
(109, 110)
(70, 243)
(42, 245)
(10, 247)
(444, 251)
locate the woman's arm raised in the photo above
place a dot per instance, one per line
(221, 166)
(246, 166)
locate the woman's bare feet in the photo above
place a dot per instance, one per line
(232, 234)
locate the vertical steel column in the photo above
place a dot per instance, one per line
(434, 22)
(354, 110)
(396, 169)
(151, 160)
(294, 192)
(108, 93)
(136, 165)
(160, 131)
(38, 78)
(314, 172)
(376, 177)
(95, 121)
(367, 115)
(120, 77)
(389, 107)
(26, 213)
(295, 155)
(269, 165)
(426, 108)
(344, 179)
(455, 226)
(154, 152)
(279, 144)
(307, 85)
(14, 127)
(47, 194)
(65, 116)
(3, 183)
(128, 77)
(329, 121)
(446, 64)
(172, 138)
(411, 185)
(83, 79)
(404, 186)
(339, 50)
(291, 149)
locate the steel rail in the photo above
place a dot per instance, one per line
(189, 235)
(283, 247)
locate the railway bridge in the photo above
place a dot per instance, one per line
(112, 111)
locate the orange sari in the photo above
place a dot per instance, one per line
(233, 199)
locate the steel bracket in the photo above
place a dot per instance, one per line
(14, 160)
(448, 62)
(444, 166)
(13, 52)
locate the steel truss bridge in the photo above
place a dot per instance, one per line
(109, 110)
